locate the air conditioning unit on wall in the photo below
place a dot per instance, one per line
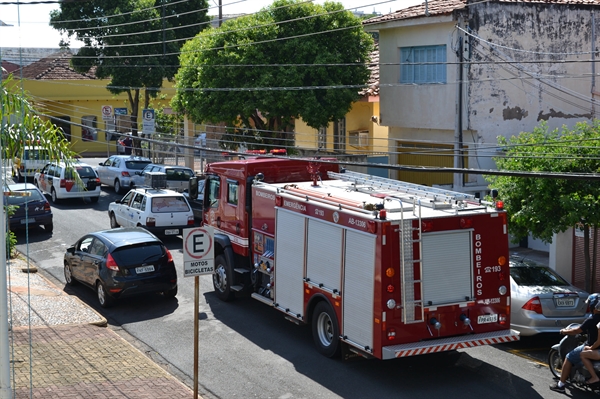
(358, 138)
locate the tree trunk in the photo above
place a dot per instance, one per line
(594, 261)
(586, 256)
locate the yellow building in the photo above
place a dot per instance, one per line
(75, 102)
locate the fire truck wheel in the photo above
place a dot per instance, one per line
(222, 279)
(325, 330)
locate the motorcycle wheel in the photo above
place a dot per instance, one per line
(555, 363)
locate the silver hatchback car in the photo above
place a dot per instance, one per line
(541, 300)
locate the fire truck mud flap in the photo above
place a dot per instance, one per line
(449, 344)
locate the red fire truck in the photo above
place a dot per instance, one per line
(378, 267)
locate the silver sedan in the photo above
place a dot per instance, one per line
(541, 300)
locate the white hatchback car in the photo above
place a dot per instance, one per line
(160, 211)
(78, 180)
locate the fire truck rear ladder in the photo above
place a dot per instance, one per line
(411, 266)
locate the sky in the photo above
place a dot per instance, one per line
(31, 21)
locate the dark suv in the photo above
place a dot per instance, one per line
(120, 263)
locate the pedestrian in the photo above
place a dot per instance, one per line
(589, 327)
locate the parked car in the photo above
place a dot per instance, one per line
(78, 180)
(117, 170)
(32, 160)
(163, 212)
(541, 300)
(125, 144)
(177, 177)
(33, 208)
(120, 263)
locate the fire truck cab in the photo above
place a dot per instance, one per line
(378, 267)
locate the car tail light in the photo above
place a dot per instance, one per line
(47, 206)
(190, 221)
(111, 264)
(534, 304)
(169, 256)
(150, 222)
(125, 173)
(63, 183)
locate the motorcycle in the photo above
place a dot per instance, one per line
(579, 375)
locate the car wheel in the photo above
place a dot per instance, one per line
(53, 196)
(222, 279)
(113, 221)
(69, 275)
(170, 293)
(325, 330)
(105, 300)
(49, 227)
(94, 199)
(117, 186)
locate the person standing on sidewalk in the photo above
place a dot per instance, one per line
(589, 327)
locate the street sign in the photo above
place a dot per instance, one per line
(107, 112)
(120, 111)
(148, 121)
(198, 251)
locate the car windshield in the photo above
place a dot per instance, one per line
(136, 165)
(136, 254)
(169, 204)
(540, 276)
(17, 197)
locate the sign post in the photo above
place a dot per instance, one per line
(198, 259)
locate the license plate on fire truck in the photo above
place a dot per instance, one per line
(487, 318)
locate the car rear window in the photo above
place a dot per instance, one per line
(83, 171)
(136, 165)
(14, 199)
(169, 204)
(179, 174)
(536, 276)
(137, 254)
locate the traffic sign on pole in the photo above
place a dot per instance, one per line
(198, 251)
(107, 112)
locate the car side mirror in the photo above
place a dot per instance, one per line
(193, 187)
(71, 249)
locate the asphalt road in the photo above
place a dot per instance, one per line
(247, 349)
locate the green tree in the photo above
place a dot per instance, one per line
(545, 206)
(258, 72)
(134, 43)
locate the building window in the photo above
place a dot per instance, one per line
(322, 138)
(64, 123)
(339, 135)
(358, 138)
(89, 128)
(420, 65)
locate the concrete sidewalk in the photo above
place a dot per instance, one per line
(61, 348)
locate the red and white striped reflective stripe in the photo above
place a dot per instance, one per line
(423, 350)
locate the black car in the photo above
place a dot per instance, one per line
(121, 262)
(32, 208)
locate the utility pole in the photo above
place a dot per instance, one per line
(458, 133)
(220, 13)
(5, 391)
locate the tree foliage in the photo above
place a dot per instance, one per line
(134, 43)
(259, 71)
(543, 206)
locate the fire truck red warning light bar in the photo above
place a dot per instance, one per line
(449, 344)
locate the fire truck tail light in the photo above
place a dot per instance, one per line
(372, 226)
(466, 223)
(278, 201)
(502, 318)
(501, 276)
(390, 272)
(391, 334)
(502, 260)
(390, 288)
(391, 304)
(534, 305)
(502, 290)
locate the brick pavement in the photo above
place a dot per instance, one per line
(85, 361)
